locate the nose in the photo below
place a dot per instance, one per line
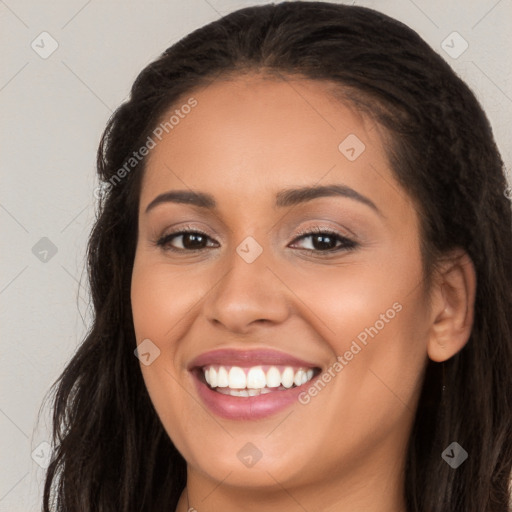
(246, 295)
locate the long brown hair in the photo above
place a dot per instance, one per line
(111, 452)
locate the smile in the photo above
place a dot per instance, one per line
(250, 384)
(253, 381)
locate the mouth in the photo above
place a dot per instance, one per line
(255, 380)
(247, 385)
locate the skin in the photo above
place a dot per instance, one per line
(247, 139)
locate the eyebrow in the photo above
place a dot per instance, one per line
(284, 198)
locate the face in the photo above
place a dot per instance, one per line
(315, 296)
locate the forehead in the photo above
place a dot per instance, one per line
(257, 134)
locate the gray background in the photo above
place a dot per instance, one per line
(53, 113)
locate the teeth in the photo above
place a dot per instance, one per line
(256, 378)
(213, 378)
(287, 377)
(222, 377)
(247, 392)
(237, 381)
(237, 378)
(297, 380)
(273, 377)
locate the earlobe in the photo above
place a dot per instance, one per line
(452, 306)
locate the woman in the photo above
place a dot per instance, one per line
(304, 239)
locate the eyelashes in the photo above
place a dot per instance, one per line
(320, 237)
(165, 241)
(345, 244)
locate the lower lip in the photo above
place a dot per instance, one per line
(247, 408)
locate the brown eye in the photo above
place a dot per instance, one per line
(190, 241)
(326, 241)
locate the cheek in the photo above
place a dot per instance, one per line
(162, 299)
(162, 304)
(372, 314)
(378, 331)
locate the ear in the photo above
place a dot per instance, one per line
(453, 302)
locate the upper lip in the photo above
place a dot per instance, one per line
(235, 357)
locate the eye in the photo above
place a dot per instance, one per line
(322, 240)
(191, 240)
(326, 240)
